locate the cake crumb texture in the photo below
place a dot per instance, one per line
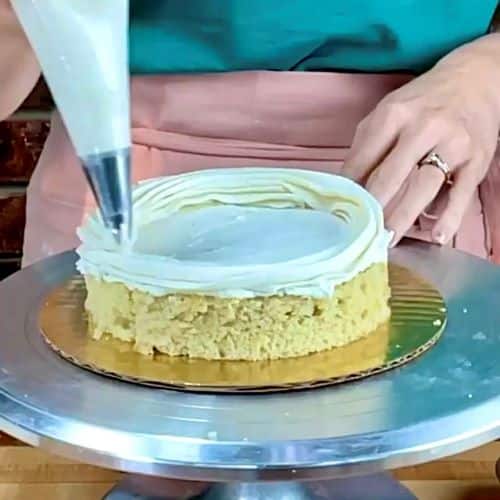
(253, 329)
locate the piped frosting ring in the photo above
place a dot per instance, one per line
(242, 232)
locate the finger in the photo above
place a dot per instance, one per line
(423, 186)
(459, 198)
(416, 233)
(374, 138)
(389, 176)
(446, 149)
(452, 144)
(394, 203)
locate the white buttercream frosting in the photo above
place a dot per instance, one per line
(242, 232)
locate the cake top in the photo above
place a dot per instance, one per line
(241, 232)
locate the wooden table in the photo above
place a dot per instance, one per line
(27, 474)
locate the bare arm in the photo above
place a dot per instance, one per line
(19, 68)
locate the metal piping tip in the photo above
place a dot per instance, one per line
(108, 175)
(121, 230)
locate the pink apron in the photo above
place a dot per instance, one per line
(260, 118)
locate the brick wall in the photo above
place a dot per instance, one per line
(21, 142)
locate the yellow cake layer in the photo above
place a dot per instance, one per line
(248, 329)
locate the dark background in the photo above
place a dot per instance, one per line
(21, 141)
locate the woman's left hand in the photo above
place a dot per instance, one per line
(454, 111)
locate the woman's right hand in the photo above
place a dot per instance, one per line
(19, 68)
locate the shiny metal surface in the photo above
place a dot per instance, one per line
(380, 487)
(443, 403)
(109, 176)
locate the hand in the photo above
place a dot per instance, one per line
(453, 111)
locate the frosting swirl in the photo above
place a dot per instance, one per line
(241, 232)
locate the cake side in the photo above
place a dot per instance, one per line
(241, 264)
(260, 328)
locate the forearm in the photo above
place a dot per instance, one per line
(19, 68)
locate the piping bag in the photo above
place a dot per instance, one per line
(82, 47)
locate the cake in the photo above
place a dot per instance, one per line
(240, 264)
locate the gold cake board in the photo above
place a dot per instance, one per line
(417, 321)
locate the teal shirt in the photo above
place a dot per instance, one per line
(180, 36)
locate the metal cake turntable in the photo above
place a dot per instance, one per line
(288, 446)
